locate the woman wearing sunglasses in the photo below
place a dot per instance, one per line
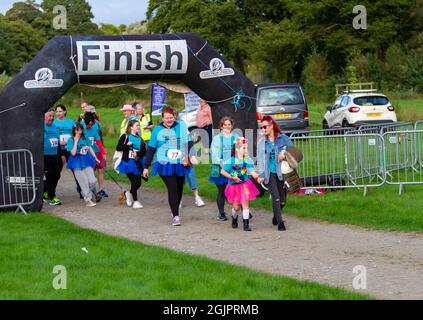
(270, 153)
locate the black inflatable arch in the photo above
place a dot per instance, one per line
(67, 60)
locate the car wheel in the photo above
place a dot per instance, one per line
(345, 124)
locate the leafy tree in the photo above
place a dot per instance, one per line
(20, 41)
(79, 16)
(25, 11)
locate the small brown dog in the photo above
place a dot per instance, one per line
(122, 197)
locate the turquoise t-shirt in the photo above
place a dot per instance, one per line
(171, 143)
(83, 146)
(65, 129)
(239, 168)
(136, 145)
(51, 140)
(272, 159)
(92, 136)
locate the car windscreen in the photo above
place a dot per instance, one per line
(371, 101)
(280, 96)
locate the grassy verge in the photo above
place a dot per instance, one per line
(116, 268)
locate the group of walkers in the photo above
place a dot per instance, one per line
(166, 150)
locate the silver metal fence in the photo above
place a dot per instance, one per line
(323, 132)
(17, 180)
(341, 161)
(404, 149)
(381, 128)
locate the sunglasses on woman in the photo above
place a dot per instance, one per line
(264, 127)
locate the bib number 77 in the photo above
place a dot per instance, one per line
(174, 154)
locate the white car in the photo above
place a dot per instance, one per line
(356, 108)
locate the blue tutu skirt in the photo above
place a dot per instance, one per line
(80, 162)
(131, 166)
(170, 169)
(219, 181)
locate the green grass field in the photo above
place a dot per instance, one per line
(381, 209)
(115, 268)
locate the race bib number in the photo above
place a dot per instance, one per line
(132, 154)
(54, 142)
(91, 140)
(84, 151)
(174, 154)
(65, 137)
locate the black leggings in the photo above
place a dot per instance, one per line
(278, 193)
(135, 184)
(220, 199)
(52, 173)
(175, 188)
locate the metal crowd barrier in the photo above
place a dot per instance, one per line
(323, 132)
(404, 149)
(341, 161)
(386, 127)
(392, 155)
(17, 180)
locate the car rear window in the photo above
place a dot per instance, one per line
(280, 96)
(371, 101)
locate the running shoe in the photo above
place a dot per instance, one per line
(199, 202)
(46, 198)
(137, 205)
(222, 217)
(103, 194)
(176, 221)
(55, 202)
(89, 203)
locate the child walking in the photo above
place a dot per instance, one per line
(82, 160)
(240, 190)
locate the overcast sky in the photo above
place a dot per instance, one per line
(106, 11)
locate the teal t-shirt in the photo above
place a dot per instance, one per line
(65, 129)
(83, 146)
(239, 168)
(171, 143)
(51, 140)
(92, 136)
(272, 159)
(136, 145)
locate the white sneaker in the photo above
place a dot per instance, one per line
(137, 205)
(176, 221)
(129, 199)
(89, 203)
(199, 202)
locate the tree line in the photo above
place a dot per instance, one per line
(312, 42)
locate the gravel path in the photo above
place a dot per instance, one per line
(318, 251)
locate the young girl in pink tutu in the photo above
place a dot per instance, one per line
(240, 190)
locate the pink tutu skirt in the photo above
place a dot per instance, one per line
(241, 192)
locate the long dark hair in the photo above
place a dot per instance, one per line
(130, 125)
(79, 126)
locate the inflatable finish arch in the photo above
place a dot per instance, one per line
(67, 60)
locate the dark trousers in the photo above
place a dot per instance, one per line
(175, 188)
(52, 174)
(278, 193)
(220, 199)
(209, 130)
(135, 184)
